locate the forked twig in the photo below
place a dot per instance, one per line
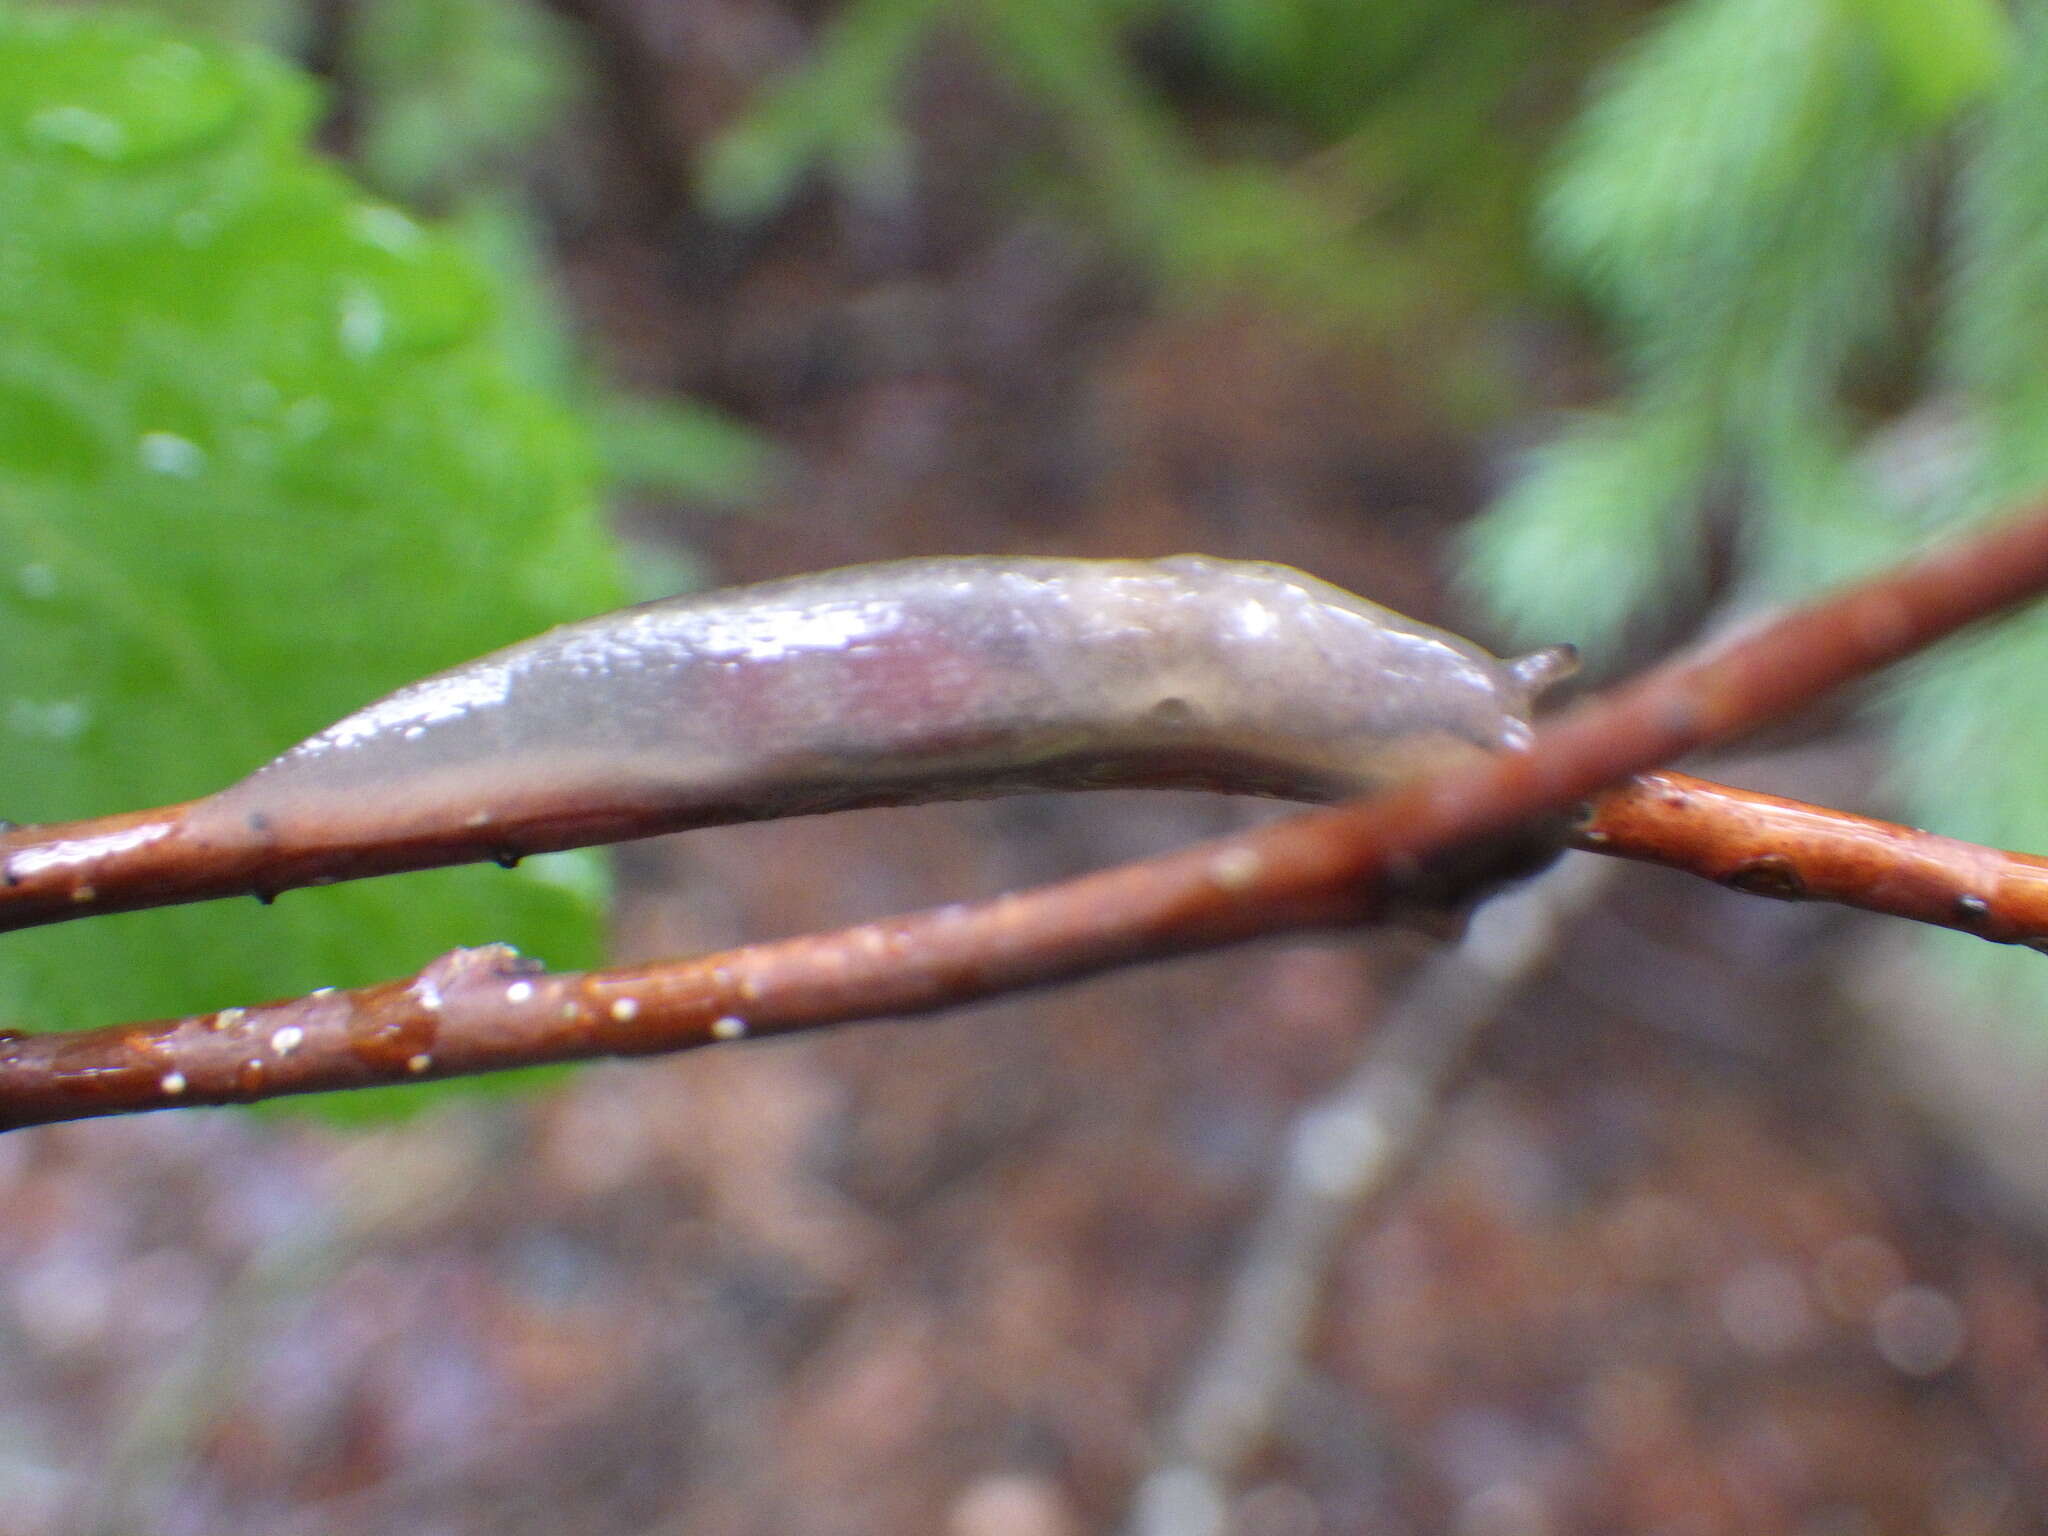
(484, 1010)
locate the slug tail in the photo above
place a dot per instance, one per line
(1541, 670)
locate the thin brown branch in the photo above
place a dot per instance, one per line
(1767, 845)
(70, 870)
(483, 1010)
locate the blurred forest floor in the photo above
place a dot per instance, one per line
(1679, 1257)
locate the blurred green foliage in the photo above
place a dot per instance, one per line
(452, 99)
(456, 96)
(448, 86)
(1735, 198)
(261, 459)
(1818, 230)
(1367, 163)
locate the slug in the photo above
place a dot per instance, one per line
(909, 681)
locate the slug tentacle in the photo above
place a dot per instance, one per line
(1542, 670)
(907, 681)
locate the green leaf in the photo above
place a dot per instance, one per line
(1995, 332)
(836, 111)
(261, 460)
(681, 447)
(1595, 527)
(1822, 515)
(111, 99)
(283, 26)
(1329, 62)
(1942, 56)
(1736, 195)
(448, 85)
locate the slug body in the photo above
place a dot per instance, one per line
(909, 681)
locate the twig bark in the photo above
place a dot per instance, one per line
(486, 1010)
(152, 858)
(1767, 845)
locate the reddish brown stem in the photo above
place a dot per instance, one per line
(1770, 846)
(479, 1011)
(153, 858)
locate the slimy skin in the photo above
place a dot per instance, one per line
(909, 681)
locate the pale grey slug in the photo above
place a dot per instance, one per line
(908, 681)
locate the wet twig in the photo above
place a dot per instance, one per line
(479, 1011)
(1766, 845)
